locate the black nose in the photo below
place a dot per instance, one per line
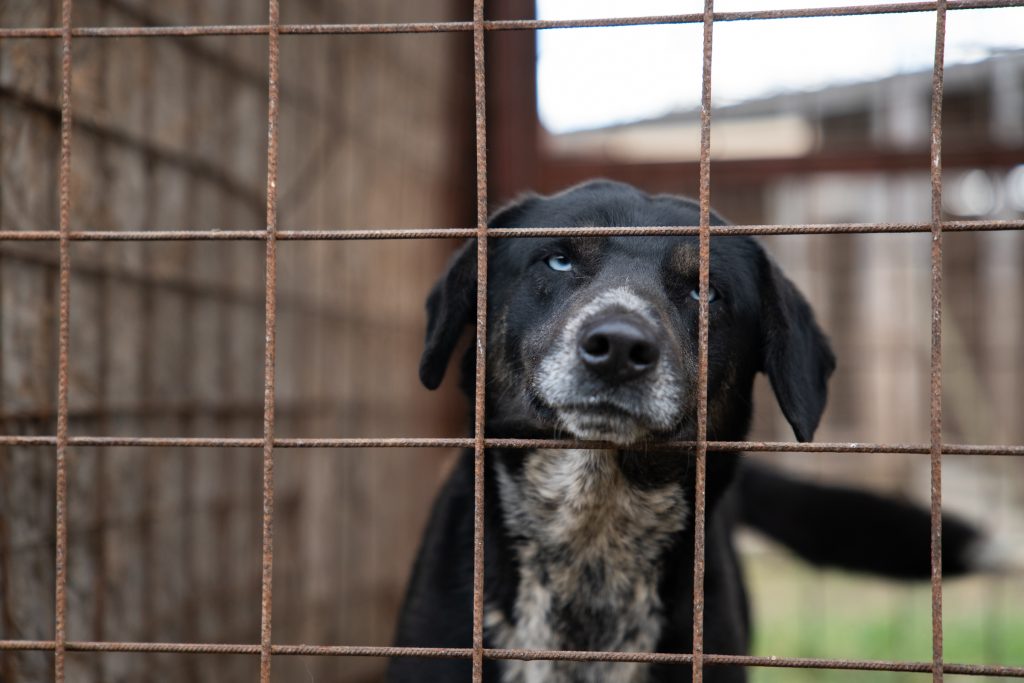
(619, 348)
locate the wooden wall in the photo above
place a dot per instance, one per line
(167, 338)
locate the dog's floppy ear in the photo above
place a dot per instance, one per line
(797, 357)
(450, 307)
(452, 302)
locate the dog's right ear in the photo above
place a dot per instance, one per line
(452, 301)
(450, 307)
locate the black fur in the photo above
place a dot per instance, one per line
(759, 323)
(837, 526)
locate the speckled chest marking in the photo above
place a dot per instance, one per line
(589, 545)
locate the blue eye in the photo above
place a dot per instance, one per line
(559, 262)
(712, 294)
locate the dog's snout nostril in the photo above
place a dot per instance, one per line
(643, 353)
(618, 348)
(595, 346)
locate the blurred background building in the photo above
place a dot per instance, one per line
(377, 131)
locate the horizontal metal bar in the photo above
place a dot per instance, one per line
(456, 442)
(391, 234)
(748, 660)
(771, 446)
(923, 449)
(503, 25)
(796, 229)
(240, 30)
(234, 442)
(752, 15)
(139, 31)
(232, 235)
(456, 233)
(524, 655)
(238, 649)
(466, 442)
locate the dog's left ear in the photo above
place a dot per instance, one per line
(797, 357)
(450, 308)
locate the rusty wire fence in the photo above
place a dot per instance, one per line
(271, 236)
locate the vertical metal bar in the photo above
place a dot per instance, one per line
(63, 339)
(480, 84)
(936, 350)
(702, 350)
(273, 40)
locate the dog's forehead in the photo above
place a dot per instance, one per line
(684, 258)
(588, 248)
(673, 255)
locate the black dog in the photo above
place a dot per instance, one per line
(593, 549)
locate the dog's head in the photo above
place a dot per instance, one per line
(597, 336)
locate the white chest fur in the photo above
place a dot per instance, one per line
(588, 549)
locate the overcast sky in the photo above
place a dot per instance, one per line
(593, 77)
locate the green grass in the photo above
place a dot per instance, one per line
(802, 612)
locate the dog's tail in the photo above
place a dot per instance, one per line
(843, 527)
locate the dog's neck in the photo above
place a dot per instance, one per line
(589, 540)
(587, 506)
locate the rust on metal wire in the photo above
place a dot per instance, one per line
(523, 655)
(935, 406)
(505, 233)
(273, 97)
(469, 442)
(504, 25)
(703, 323)
(804, 229)
(480, 99)
(63, 344)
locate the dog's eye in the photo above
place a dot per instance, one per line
(712, 294)
(559, 262)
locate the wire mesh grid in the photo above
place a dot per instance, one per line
(271, 235)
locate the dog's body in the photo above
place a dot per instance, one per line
(592, 549)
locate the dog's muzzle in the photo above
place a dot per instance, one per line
(609, 375)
